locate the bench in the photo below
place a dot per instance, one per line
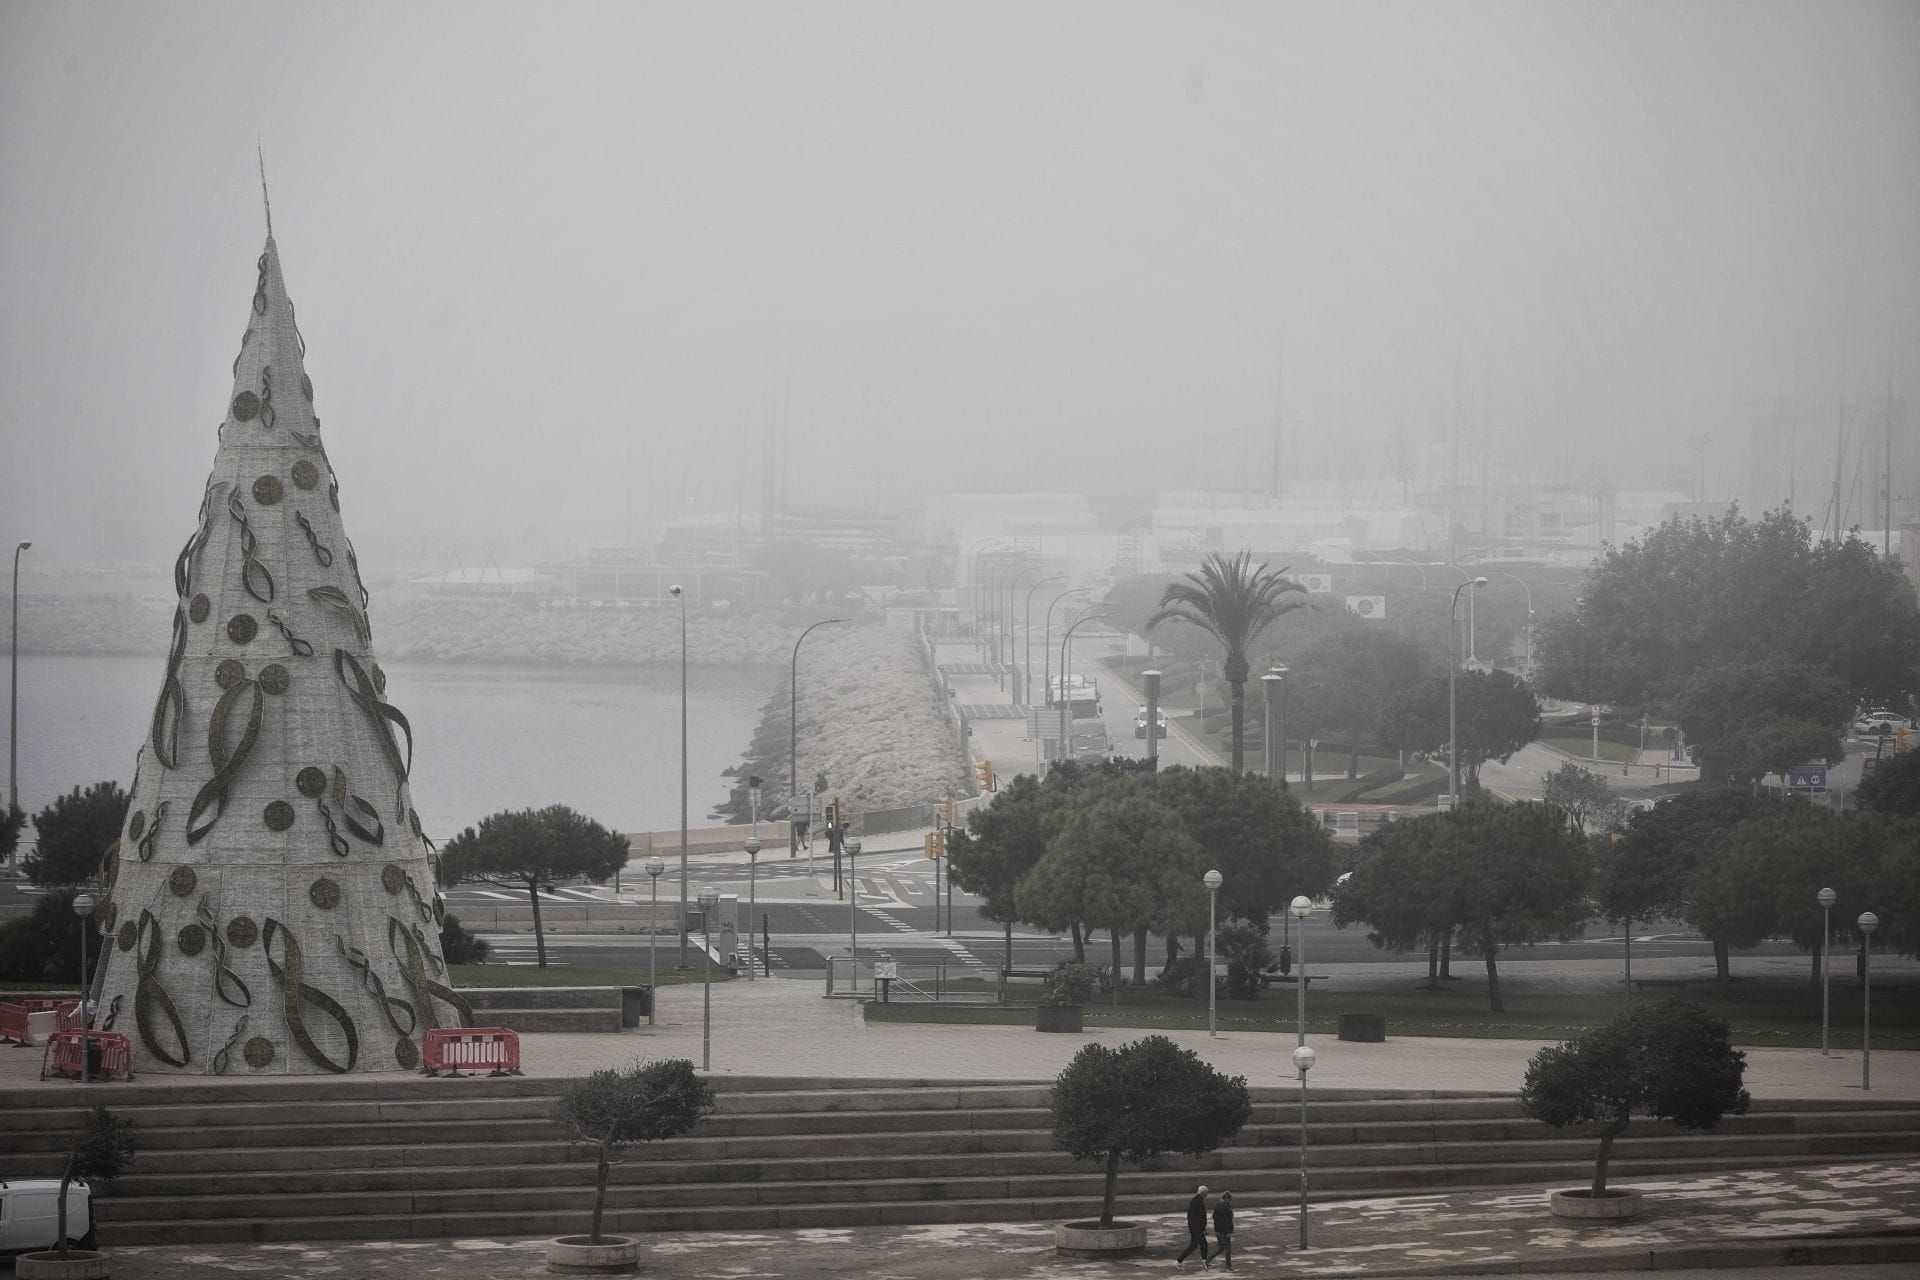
(1641, 984)
(1363, 1028)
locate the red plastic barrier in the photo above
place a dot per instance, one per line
(449, 1049)
(13, 1022)
(64, 1050)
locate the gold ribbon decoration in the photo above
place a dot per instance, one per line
(391, 1006)
(223, 1055)
(223, 976)
(145, 845)
(253, 575)
(149, 996)
(295, 991)
(113, 1010)
(333, 486)
(299, 646)
(419, 834)
(414, 970)
(266, 395)
(171, 709)
(420, 904)
(321, 551)
(379, 714)
(225, 768)
(348, 802)
(260, 287)
(339, 842)
(354, 562)
(336, 599)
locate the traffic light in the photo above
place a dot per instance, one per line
(984, 772)
(946, 811)
(1902, 739)
(936, 843)
(833, 812)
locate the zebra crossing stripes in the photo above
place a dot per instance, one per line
(960, 953)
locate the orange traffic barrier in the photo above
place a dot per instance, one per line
(64, 1050)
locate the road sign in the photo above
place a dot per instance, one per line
(1807, 777)
(800, 806)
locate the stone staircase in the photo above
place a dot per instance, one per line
(531, 1009)
(397, 1157)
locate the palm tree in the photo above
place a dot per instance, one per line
(1233, 602)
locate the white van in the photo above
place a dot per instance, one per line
(30, 1215)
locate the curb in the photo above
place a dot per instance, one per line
(1719, 1255)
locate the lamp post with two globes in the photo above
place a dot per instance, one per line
(752, 847)
(1826, 898)
(83, 907)
(709, 899)
(1867, 923)
(1303, 1060)
(1213, 880)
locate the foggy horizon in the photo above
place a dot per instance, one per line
(565, 272)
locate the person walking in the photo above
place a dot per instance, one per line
(1223, 1228)
(1196, 1230)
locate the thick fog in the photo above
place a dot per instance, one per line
(566, 270)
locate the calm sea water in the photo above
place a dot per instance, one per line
(485, 738)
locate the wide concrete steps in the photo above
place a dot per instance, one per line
(406, 1157)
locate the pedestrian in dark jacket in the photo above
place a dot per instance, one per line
(1223, 1228)
(1196, 1230)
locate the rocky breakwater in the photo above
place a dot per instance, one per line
(869, 720)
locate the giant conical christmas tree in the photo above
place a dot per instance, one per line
(271, 903)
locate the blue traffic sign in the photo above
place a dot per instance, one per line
(1807, 777)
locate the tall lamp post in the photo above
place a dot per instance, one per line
(852, 846)
(1275, 684)
(1013, 592)
(680, 595)
(1046, 643)
(656, 865)
(1302, 907)
(709, 899)
(1066, 694)
(1025, 690)
(752, 846)
(13, 698)
(793, 739)
(1867, 923)
(83, 907)
(1213, 880)
(1303, 1060)
(1453, 702)
(1826, 898)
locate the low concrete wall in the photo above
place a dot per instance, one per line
(584, 917)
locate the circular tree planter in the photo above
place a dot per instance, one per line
(1615, 1204)
(79, 1264)
(575, 1255)
(1057, 1017)
(1091, 1240)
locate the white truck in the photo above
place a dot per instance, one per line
(30, 1214)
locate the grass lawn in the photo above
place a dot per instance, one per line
(1582, 746)
(1763, 1019)
(526, 975)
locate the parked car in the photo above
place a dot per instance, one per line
(29, 1215)
(1160, 723)
(1880, 724)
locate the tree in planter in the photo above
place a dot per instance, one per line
(73, 834)
(532, 849)
(1141, 1101)
(1070, 986)
(100, 1150)
(642, 1102)
(1670, 1061)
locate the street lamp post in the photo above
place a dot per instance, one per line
(1066, 692)
(852, 846)
(1046, 644)
(1013, 592)
(13, 697)
(752, 847)
(1453, 708)
(1529, 590)
(655, 866)
(1213, 880)
(1826, 898)
(1867, 922)
(1303, 1060)
(1150, 690)
(681, 596)
(1596, 736)
(83, 907)
(709, 899)
(1023, 690)
(1302, 907)
(793, 743)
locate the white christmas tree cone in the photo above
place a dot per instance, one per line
(271, 904)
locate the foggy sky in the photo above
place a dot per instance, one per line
(547, 256)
